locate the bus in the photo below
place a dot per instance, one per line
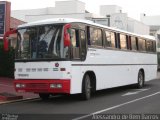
(71, 56)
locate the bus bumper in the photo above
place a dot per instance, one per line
(43, 86)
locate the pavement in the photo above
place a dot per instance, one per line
(8, 93)
(115, 102)
(127, 102)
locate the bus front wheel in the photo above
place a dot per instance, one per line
(140, 83)
(44, 96)
(86, 88)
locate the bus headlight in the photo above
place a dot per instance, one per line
(52, 85)
(55, 85)
(59, 85)
(18, 85)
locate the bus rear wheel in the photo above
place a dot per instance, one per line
(140, 83)
(44, 96)
(86, 88)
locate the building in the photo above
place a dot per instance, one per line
(7, 22)
(152, 21)
(116, 18)
(110, 15)
(68, 9)
(14, 23)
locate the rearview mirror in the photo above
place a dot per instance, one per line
(67, 40)
(5, 40)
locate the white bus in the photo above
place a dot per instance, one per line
(70, 56)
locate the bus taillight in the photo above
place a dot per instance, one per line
(66, 35)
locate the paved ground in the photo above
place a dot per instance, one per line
(123, 100)
(6, 86)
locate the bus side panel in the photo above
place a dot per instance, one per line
(76, 79)
(115, 68)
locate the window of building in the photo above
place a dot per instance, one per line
(96, 36)
(123, 43)
(110, 39)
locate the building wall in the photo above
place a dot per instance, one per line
(61, 8)
(141, 28)
(15, 22)
(72, 6)
(153, 22)
(119, 20)
(76, 9)
(21, 14)
(31, 18)
(137, 27)
(109, 9)
(150, 20)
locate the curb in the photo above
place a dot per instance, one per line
(22, 100)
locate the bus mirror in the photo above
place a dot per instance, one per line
(67, 35)
(5, 40)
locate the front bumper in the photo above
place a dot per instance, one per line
(42, 86)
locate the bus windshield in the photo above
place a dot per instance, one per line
(40, 42)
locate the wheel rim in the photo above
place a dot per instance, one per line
(140, 79)
(87, 87)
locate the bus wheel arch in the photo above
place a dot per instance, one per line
(141, 78)
(92, 81)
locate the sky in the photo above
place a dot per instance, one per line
(133, 7)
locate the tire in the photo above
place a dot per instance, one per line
(44, 96)
(86, 88)
(140, 83)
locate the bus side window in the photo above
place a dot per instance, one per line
(96, 37)
(142, 44)
(154, 46)
(110, 39)
(83, 44)
(123, 42)
(75, 44)
(149, 46)
(117, 40)
(134, 43)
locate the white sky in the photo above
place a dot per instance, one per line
(132, 7)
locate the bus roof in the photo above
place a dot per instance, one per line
(71, 20)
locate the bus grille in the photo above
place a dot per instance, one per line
(37, 86)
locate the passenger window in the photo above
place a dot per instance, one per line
(83, 44)
(149, 46)
(96, 36)
(154, 46)
(75, 44)
(123, 43)
(133, 43)
(141, 45)
(110, 39)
